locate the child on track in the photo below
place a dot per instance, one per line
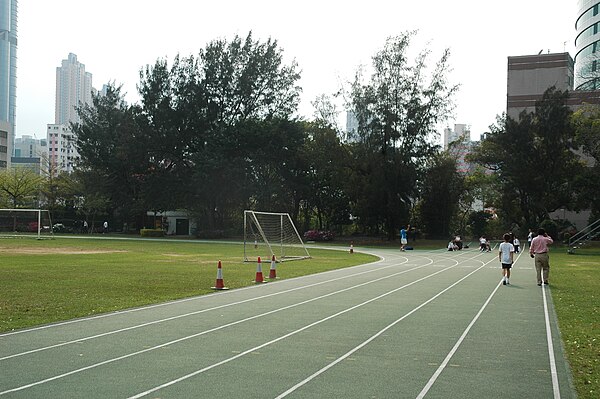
(505, 256)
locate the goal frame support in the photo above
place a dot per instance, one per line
(248, 214)
(39, 218)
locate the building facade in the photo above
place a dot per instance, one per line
(529, 76)
(73, 88)
(587, 45)
(8, 78)
(31, 153)
(30, 147)
(61, 148)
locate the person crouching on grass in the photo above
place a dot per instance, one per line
(505, 256)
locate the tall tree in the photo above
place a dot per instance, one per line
(441, 192)
(398, 111)
(113, 152)
(534, 160)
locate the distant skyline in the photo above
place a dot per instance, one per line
(329, 40)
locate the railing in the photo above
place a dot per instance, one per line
(586, 234)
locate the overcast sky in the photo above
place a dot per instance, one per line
(328, 38)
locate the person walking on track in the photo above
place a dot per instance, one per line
(505, 256)
(539, 251)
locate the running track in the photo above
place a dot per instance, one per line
(415, 324)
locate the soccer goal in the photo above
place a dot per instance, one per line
(35, 223)
(267, 234)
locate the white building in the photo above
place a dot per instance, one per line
(61, 147)
(73, 89)
(460, 131)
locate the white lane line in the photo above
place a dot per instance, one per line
(95, 365)
(187, 376)
(177, 302)
(348, 354)
(554, 373)
(443, 365)
(456, 346)
(83, 339)
(108, 333)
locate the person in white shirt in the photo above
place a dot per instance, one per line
(505, 256)
(516, 244)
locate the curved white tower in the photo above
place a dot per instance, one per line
(587, 45)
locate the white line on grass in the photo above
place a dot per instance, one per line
(348, 354)
(217, 329)
(555, 386)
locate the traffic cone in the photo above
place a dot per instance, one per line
(259, 276)
(351, 247)
(219, 285)
(273, 271)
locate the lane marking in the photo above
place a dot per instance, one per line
(456, 346)
(373, 337)
(553, 372)
(130, 328)
(108, 361)
(172, 317)
(197, 372)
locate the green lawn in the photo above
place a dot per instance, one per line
(51, 280)
(575, 282)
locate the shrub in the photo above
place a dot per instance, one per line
(152, 232)
(318, 235)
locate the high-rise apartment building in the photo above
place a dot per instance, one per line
(73, 89)
(8, 78)
(61, 148)
(587, 45)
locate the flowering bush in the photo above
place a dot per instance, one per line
(318, 235)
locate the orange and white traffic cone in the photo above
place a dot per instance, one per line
(273, 270)
(259, 276)
(351, 247)
(219, 285)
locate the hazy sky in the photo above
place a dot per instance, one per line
(328, 38)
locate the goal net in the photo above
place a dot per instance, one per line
(35, 223)
(267, 234)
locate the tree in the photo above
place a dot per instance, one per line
(209, 120)
(113, 152)
(534, 161)
(441, 192)
(398, 111)
(586, 122)
(21, 187)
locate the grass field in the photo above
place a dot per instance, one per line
(51, 280)
(575, 282)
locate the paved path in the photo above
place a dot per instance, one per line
(413, 325)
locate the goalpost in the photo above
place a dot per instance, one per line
(26, 223)
(269, 233)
